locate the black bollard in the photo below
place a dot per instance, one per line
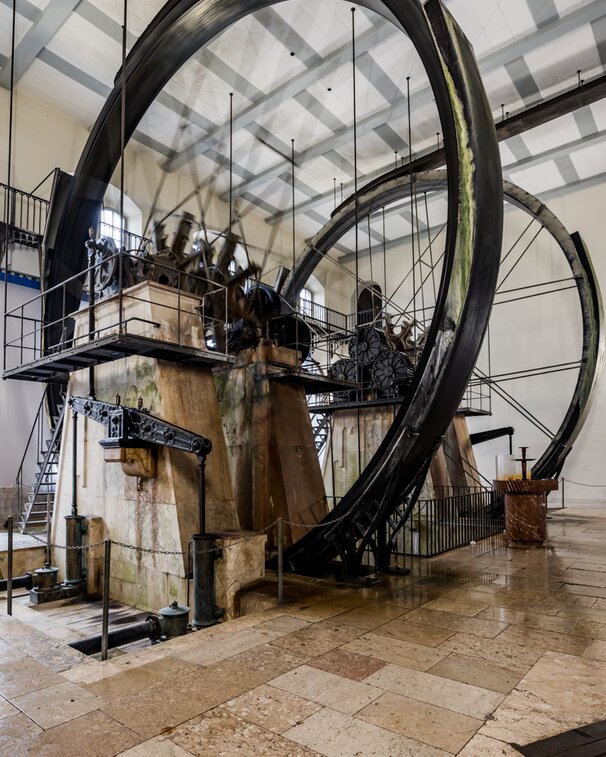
(206, 613)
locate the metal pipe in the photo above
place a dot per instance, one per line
(563, 493)
(148, 628)
(202, 495)
(74, 463)
(280, 562)
(9, 577)
(73, 541)
(18, 582)
(48, 530)
(105, 615)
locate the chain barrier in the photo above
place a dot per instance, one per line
(147, 550)
(578, 483)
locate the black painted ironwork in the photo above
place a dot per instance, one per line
(439, 525)
(479, 437)
(131, 427)
(474, 215)
(25, 218)
(33, 513)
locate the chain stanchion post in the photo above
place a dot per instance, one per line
(105, 617)
(280, 561)
(9, 568)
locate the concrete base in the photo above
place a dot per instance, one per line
(28, 554)
(272, 455)
(144, 502)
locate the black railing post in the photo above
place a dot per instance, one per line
(9, 567)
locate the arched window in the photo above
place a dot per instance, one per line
(306, 300)
(111, 225)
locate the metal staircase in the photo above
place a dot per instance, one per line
(320, 423)
(38, 507)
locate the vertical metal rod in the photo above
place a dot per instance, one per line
(105, 615)
(179, 307)
(75, 463)
(292, 188)
(7, 203)
(91, 308)
(384, 261)
(122, 168)
(414, 288)
(280, 562)
(231, 155)
(189, 567)
(9, 568)
(202, 494)
(563, 493)
(48, 529)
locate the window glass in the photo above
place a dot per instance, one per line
(111, 224)
(305, 301)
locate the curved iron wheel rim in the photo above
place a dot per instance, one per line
(395, 186)
(474, 208)
(551, 461)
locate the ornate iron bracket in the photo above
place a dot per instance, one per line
(130, 427)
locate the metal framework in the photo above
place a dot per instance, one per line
(471, 260)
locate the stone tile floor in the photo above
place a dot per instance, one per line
(476, 651)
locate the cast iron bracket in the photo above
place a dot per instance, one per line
(130, 427)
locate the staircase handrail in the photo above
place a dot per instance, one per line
(19, 476)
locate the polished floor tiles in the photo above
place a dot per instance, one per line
(477, 652)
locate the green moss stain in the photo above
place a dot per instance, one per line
(467, 206)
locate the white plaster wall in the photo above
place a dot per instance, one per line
(527, 334)
(19, 401)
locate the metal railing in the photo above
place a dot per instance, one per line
(39, 433)
(27, 335)
(22, 211)
(439, 525)
(127, 240)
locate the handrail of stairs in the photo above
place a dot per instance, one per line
(44, 464)
(36, 426)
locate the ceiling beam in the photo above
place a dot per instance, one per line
(555, 153)
(557, 106)
(487, 63)
(37, 37)
(550, 194)
(379, 32)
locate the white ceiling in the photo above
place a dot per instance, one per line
(528, 50)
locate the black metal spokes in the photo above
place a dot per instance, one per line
(474, 214)
(349, 540)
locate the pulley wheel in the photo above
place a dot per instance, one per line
(390, 370)
(367, 345)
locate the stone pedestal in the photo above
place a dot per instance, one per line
(273, 460)
(135, 497)
(242, 564)
(526, 508)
